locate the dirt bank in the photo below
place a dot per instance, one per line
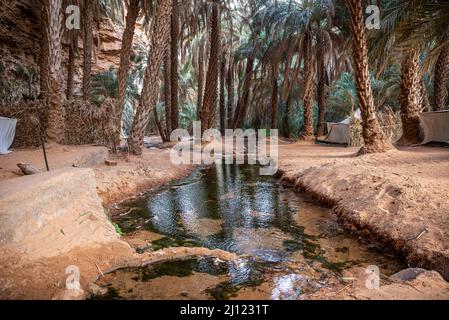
(397, 200)
(53, 220)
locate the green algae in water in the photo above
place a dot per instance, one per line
(168, 242)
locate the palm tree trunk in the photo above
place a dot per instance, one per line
(222, 96)
(307, 130)
(441, 80)
(374, 138)
(200, 79)
(87, 47)
(160, 36)
(274, 96)
(409, 99)
(44, 54)
(424, 98)
(286, 123)
(207, 115)
(55, 118)
(240, 111)
(174, 52)
(230, 88)
(125, 65)
(167, 93)
(321, 95)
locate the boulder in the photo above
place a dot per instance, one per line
(49, 214)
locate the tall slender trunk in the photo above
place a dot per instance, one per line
(307, 130)
(160, 36)
(88, 41)
(200, 80)
(440, 81)
(44, 54)
(321, 94)
(286, 123)
(424, 98)
(125, 65)
(174, 53)
(374, 138)
(167, 93)
(240, 111)
(274, 95)
(222, 96)
(230, 88)
(207, 115)
(409, 99)
(55, 98)
(161, 131)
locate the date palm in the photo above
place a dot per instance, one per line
(374, 139)
(160, 35)
(54, 95)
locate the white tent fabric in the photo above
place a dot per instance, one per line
(435, 126)
(7, 133)
(340, 132)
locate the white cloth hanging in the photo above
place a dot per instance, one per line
(7, 133)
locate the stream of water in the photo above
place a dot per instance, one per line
(288, 246)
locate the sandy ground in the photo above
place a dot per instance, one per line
(397, 200)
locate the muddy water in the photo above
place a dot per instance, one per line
(288, 246)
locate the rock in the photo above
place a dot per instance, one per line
(407, 274)
(92, 158)
(111, 163)
(28, 169)
(72, 294)
(97, 290)
(51, 213)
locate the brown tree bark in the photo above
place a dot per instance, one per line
(174, 67)
(321, 94)
(207, 115)
(55, 94)
(222, 96)
(200, 79)
(230, 88)
(240, 111)
(160, 36)
(274, 96)
(167, 93)
(409, 99)
(125, 65)
(307, 130)
(374, 138)
(440, 81)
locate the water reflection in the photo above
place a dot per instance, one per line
(233, 208)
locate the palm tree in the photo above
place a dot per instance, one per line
(174, 67)
(207, 114)
(374, 139)
(307, 131)
(160, 35)
(133, 7)
(222, 95)
(409, 98)
(441, 78)
(55, 116)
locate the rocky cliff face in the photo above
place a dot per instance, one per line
(20, 34)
